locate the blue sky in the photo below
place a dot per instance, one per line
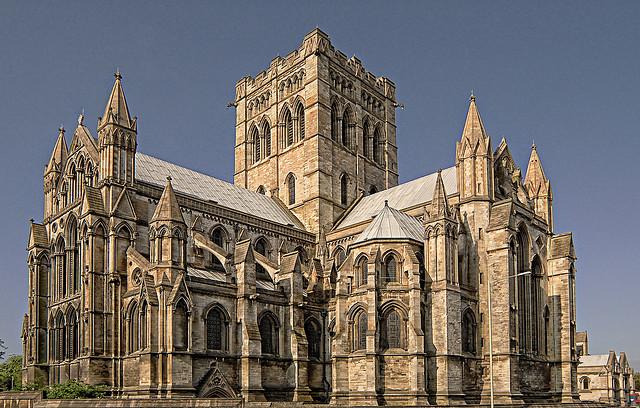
(564, 74)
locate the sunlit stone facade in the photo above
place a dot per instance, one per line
(315, 276)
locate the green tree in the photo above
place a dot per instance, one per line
(74, 390)
(11, 374)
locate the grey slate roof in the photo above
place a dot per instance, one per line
(206, 274)
(402, 197)
(155, 171)
(595, 360)
(392, 224)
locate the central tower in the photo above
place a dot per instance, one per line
(316, 130)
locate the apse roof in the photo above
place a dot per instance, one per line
(392, 224)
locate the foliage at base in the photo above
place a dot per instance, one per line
(74, 390)
(11, 374)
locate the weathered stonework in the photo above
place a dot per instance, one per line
(317, 289)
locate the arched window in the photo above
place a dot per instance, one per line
(260, 247)
(347, 128)
(524, 287)
(216, 329)
(468, 332)
(392, 331)
(181, 326)
(363, 271)
(72, 332)
(266, 134)
(143, 325)
(360, 331)
(335, 123)
(344, 181)
(301, 123)
(268, 334)
(60, 338)
(365, 138)
(584, 383)
(254, 137)
(134, 334)
(545, 335)
(288, 128)
(61, 267)
(219, 237)
(291, 187)
(377, 146)
(261, 190)
(176, 247)
(536, 291)
(73, 256)
(312, 331)
(339, 255)
(390, 266)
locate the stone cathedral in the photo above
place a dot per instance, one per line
(315, 276)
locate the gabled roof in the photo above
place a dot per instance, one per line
(207, 188)
(594, 360)
(403, 197)
(92, 201)
(38, 236)
(581, 336)
(392, 224)
(562, 246)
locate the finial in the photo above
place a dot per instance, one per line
(533, 145)
(439, 171)
(169, 179)
(386, 203)
(32, 220)
(81, 118)
(61, 128)
(472, 98)
(117, 74)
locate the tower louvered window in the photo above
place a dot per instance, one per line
(291, 186)
(343, 189)
(301, 125)
(266, 131)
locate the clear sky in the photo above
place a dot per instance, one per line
(565, 74)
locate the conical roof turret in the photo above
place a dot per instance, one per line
(117, 111)
(535, 180)
(439, 203)
(168, 208)
(473, 126)
(59, 154)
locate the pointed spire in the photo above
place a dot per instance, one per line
(439, 203)
(117, 110)
(535, 179)
(168, 208)
(60, 152)
(473, 126)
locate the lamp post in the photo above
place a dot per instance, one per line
(491, 330)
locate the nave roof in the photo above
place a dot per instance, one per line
(207, 188)
(402, 197)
